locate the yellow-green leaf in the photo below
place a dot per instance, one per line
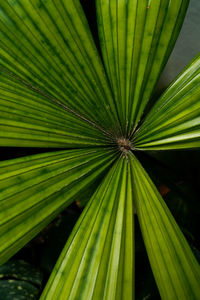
(97, 261)
(34, 189)
(174, 121)
(176, 271)
(137, 38)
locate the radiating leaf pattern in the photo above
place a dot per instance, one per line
(48, 45)
(137, 38)
(174, 121)
(35, 189)
(97, 261)
(29, 119)
(57, 92)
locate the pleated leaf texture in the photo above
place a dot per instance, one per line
(58, 91)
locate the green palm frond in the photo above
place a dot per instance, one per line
(175, 268)
(48, 47)
(29, 119)
(174, 121)
(57, 92)
(100, 265)
(35, 189)
(137, 38)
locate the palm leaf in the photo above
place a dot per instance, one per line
(174, 121)
(175, 269)
(29, 119)
(57, 59)
(35, 189)
(97, 261)
(55, 92)
(137, 38)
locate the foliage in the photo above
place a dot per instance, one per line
(57, 91)
(19, 280)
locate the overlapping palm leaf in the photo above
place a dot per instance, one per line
(55, 92)
(175, 269)
(136, 38)
(174, 122)
(103, 238)
(35, 189)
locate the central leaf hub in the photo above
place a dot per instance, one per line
(124, 144)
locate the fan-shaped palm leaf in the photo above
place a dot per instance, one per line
(55, 91)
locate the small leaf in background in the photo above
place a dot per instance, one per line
(17, 290)
(19, 280)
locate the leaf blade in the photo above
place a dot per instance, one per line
(30, 119)
(175, 269)
(35, 189)
(89, 268)
(137, 38)
(174, 121)
(48, 45)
